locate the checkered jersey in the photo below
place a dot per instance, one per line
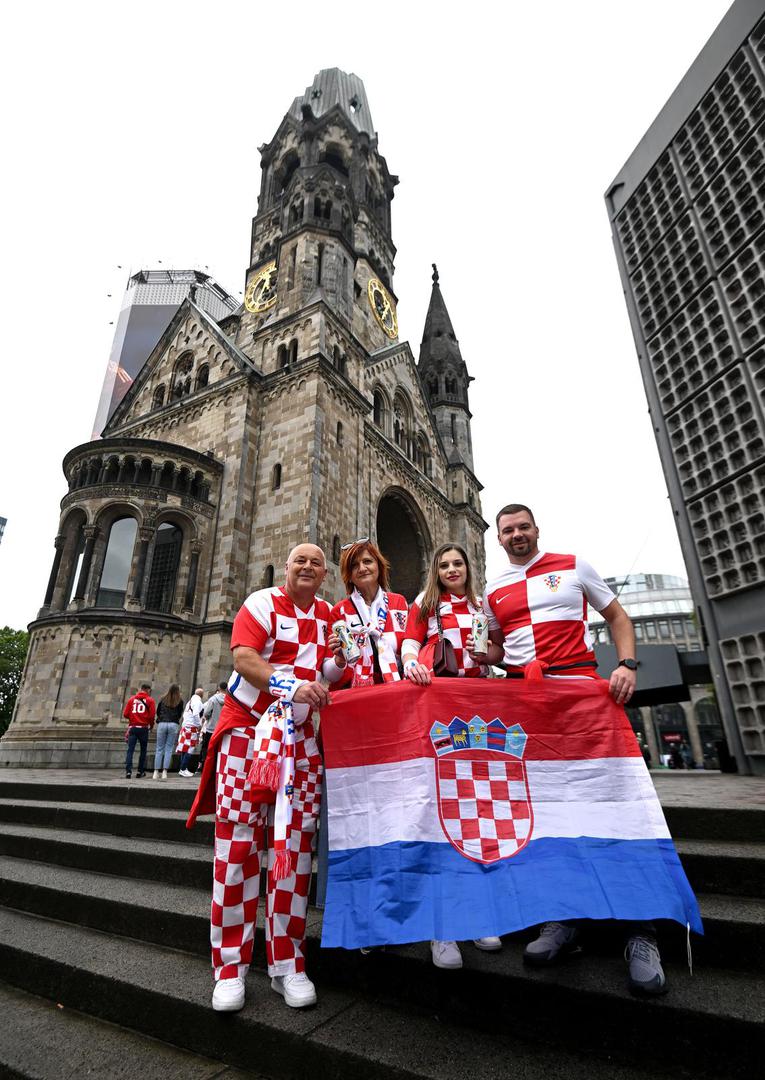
(541, 608)
(292, 640)
(457, 621)
(389, 644)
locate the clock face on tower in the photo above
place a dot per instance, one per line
(261, 291)
(383, 307)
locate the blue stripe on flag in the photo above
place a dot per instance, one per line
(402, 892)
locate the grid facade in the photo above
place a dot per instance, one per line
(689, 231)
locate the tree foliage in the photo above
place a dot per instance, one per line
(13, 651)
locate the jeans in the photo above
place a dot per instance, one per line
(138, 735)
(167, 737)
(189, 762)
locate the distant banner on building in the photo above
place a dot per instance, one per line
(478, 807)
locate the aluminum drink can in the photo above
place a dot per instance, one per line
(351, 651)
(480, 633)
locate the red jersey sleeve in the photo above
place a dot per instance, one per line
(416, 628)
(252, 625)
(128, 711)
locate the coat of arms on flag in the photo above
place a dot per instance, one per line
(483, 793)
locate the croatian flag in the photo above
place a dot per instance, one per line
(477, 807)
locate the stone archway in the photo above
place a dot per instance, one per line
(403, 538)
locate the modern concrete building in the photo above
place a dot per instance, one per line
(151, 299)
(300, 416)
(688, 219)
(662, 612)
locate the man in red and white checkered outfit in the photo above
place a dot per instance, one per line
(537, 611)
(279, 642)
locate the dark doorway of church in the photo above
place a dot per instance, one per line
(402, 538)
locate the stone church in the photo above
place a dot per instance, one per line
(301, 416)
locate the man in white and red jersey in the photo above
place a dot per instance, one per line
(537, 611)
(279, 642)
(139, 712)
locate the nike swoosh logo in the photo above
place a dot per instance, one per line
(283, 627)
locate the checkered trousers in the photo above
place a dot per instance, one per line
(241, 845)
(457, 621)
(292, 640)
(484, 806)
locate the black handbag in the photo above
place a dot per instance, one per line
(444, 657)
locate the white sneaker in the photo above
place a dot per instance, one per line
(228, 995)
(164, 774)
(155, 775)
(297, 990)
(446, 954)
(185, 772)
(488, 944)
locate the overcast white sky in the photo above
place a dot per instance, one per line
(131, 135)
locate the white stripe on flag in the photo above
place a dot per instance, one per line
(612, 798)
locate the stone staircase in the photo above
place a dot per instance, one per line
(104, 902)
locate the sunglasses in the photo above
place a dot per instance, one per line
(361, 540)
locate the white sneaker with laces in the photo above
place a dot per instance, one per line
(555, 941)
(155, 774)
(297, 990)
(646, 975)
(164, 774)
(184, 772)
(446, 954)
(228, 995)
(488, 944)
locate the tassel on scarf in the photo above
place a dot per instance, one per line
(272, 776)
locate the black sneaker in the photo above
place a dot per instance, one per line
(555, 941)
(646, 975)
(140, 774)
(128, 775)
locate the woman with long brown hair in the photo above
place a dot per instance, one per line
(375, 616)
(445, 608)
(169, 712)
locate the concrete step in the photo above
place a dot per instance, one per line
(177, 914)
(44, 1040)
(694, 822)
(150, 860)
(175, 793)
(116, 820)
(734, 868)
(165, 994)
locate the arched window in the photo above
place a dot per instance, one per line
(339, 434)
(293, 351)
(333, 157)
(433, 385)
(336, 550)
(276, 477)
(78, 550)
(168, 541)
(286, 171)
(379, 408)
(116, 571)
(282, 356)
(203, 377)
(159, 397)
(319, 264)
(268, 577)
(402, 424)
(182, 376)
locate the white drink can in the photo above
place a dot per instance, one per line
(480, 633)
(351, 651)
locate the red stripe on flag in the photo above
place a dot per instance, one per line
(564, 720)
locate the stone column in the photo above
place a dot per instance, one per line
(693, 734)
(91, 535)
(144, 538)
(53, 579)
(191, 585)
(650, 735)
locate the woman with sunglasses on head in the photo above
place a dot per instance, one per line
(445, 608)
(375, 616)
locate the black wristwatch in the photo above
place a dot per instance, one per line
(629, 663)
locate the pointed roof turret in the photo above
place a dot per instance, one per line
(441, 366)
(333, 87)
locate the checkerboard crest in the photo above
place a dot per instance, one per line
(483, 793)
